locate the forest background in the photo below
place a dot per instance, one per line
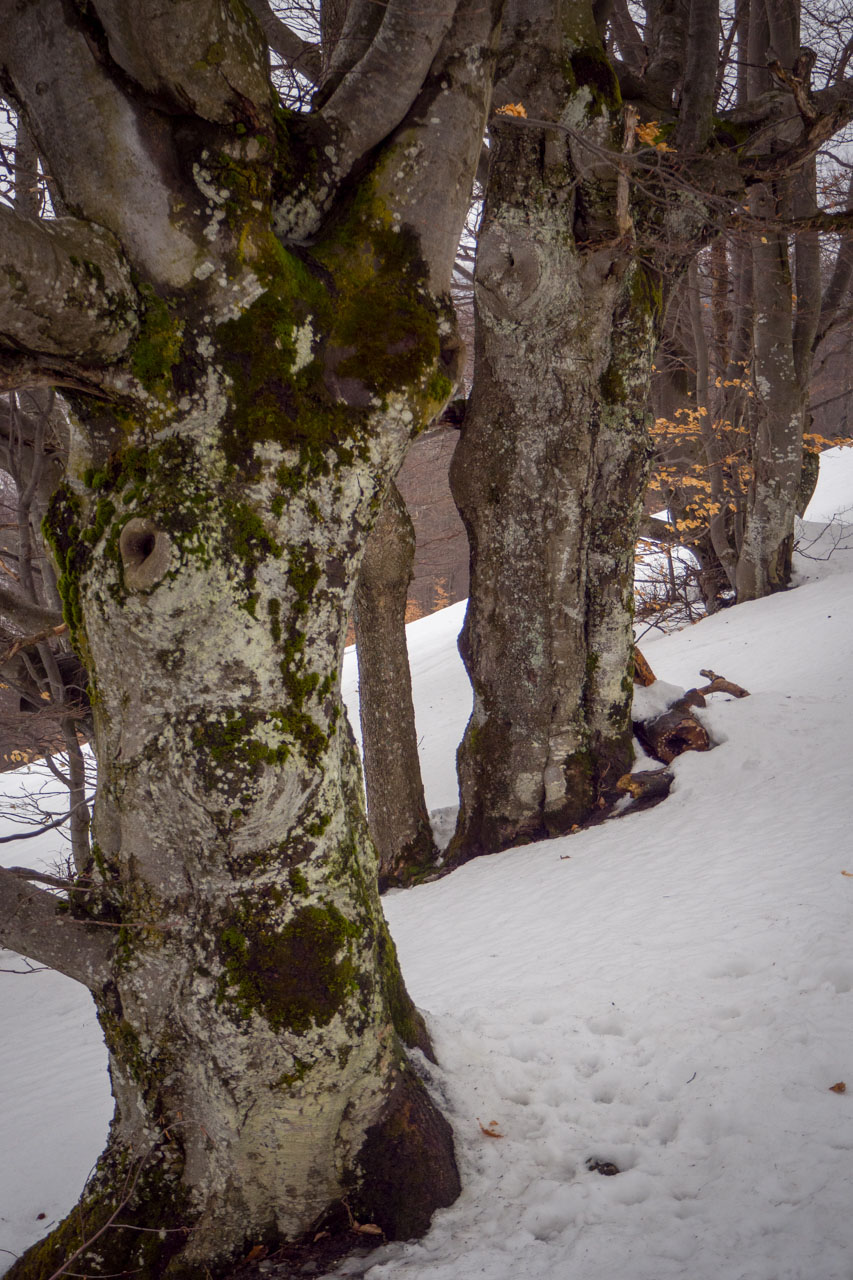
(218, 343)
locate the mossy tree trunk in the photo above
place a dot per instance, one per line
(552, 461)
(396, 809)
(785, 311)
(240, 398)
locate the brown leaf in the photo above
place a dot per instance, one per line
(491, 1130)
(841, 1087)
(256, 1252)
(847, 873)
(367, 1229)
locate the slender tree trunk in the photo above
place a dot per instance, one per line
(764, 562)
(396, 809)
(781, 354)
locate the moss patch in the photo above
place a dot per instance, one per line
(296, 976)
(154, 1221)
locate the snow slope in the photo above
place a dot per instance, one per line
(671, 993)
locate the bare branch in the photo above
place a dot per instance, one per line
(24, 612)
(168, 53)
(40, 877)
(38, 925)
(300, 54)
(39, 831)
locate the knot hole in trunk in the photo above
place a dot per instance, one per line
(145, 554)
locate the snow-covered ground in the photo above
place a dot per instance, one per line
(670, 993)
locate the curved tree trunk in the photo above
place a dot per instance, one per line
(396, 809)
(241, 400)
(552, 461)
(255, 1015)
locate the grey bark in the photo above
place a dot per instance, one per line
(552, 458)
(396, 809)
(219, 492)
(37, 923)
(65, 291)
(695, 118)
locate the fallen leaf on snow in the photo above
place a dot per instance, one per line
(841, 1087)
(491, 1130)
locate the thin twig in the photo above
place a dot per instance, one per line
(41, 830)
(28, 642)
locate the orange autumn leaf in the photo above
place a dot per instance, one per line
(491, 1130)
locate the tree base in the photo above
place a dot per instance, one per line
(134, 1217)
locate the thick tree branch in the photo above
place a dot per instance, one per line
(666, 40)
(627, 37)
(74, 100)
(196, 53)
(38, 925)
(300, 54)
(65, 291)
(369, 101)
(29, 642)
(368, 104)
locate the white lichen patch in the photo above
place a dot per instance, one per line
(303, 341)
(204, 181)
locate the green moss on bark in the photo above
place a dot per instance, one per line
(144, 1195)
(296, 976)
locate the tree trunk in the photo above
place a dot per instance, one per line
(396, 809)
(255, 1016)
(764, 563)
(241, 398)
(550, 468)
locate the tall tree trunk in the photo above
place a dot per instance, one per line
(552, 460)
(784, 326)
(255, 1014)
(396, 809)
(764, 563)
(240, 403)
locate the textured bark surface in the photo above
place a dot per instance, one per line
(551, 465)
(253, 404)
(396, 809)
(764, 562)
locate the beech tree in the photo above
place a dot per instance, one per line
(247, 312)
(612, 161)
